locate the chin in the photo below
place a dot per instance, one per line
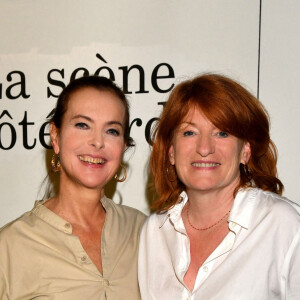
(92, 184)
(204, 188)
(203, 185)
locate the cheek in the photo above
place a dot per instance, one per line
(70, 142)
(231, 156)
(184, 150)
(117, 149)
(236, 160)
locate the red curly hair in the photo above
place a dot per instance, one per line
(231, 108)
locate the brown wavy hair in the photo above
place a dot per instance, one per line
(231, 108)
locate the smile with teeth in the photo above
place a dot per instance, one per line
(205, 165)
(92, 160)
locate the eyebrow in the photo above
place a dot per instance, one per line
(83, 117)
(188, 123)
(195, 125)
(91, 120)
(115, 123)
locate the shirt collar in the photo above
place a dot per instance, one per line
(243, 207)
(174, 213)
(44, 213)
(47, 215)
(241, 212)
(106, 203)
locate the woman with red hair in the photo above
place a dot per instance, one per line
(222, 229)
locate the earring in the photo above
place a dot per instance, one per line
(167, 172)
(55, 163)
(124, 176)
(247, 171)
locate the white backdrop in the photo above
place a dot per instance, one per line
(43, 42)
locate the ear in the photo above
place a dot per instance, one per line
(171, 155)
(246, 153)
(54, 137)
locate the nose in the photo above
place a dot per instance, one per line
(97, 140)
(205, 145)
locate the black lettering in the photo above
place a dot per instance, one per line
(21, 84)
(76, 71)
(138, 122)
(162, 103)
(13, 136)
(43, 134)
(24, 125)
(55, 82)
(125, 79)
(148, 131)
(155, 77)
(110, 72)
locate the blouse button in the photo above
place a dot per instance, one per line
(67, 225)
(205, 268)
(106, 282)
(83, 258)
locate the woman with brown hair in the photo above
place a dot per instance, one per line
(222, 229)
(78, 244)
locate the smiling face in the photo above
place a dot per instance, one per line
(90, 142)
(206, 159)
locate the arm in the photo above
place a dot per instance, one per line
(291, 269)
(3, 286)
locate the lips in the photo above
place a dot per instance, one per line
(205, 164)
(92, 160)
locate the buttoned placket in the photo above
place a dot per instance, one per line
(104, 259)
(218, 255)
(207, 266)
(80, 255)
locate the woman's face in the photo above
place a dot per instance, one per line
(206, 159)
(90, 142)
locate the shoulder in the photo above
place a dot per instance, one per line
(124, 213)
(15, 226)
(13, 236)
(277, 203)
(131, 212)
(154, 222)
(278, 208)
(23, 227)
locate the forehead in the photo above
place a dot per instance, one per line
(95, 103)
(194, 115)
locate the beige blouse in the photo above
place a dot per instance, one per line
(40, 258)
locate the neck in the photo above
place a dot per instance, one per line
(78, 205)
(207, 207)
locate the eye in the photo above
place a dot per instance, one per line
(113, 131)
(81, 125)
(188, 133)
(222, 134)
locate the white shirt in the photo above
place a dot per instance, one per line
(258, 259)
